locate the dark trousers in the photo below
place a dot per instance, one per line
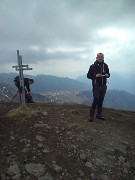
(98, 98)
(28, 97)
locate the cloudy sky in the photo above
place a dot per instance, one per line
(62, 37)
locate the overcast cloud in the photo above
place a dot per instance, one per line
(62, 37)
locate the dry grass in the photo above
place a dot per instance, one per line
(22, 111)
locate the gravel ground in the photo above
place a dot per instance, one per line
(56, 142)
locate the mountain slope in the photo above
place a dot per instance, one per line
(6, 92)
(120, 100)
(114, 99)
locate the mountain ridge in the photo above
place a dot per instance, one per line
(46, 82)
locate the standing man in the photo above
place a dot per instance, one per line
(98, 73)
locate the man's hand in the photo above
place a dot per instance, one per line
(98, 75)
(107, 75)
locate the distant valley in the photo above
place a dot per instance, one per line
(65, 90)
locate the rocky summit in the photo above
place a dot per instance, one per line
(45, 141)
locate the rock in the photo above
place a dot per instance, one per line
(12, 138)
(121, 160)
(99, 162)
(25, 150)
(38, 125)
(109, 150)
(81, 173)
(14, 172)
(126, 165)
(92, 176)
(28, 145)
(101, 132)
(88, 164)
(46, 177)
(125, 171)
(121, 150)
(47, 150)
(111, 157)
(35, 169)
(44, 113)
(104, 177)
(73, 147)
(40, 145)
(63, 129)
(40, 138)
(47, 126)
(57, 168)
(83, 156)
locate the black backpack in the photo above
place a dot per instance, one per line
(16, 79)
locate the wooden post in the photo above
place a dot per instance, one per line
(19, 65)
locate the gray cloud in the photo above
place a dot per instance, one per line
(34, 26)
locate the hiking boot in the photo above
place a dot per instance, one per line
(91, 119)
(100, 117)
(32, 101)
